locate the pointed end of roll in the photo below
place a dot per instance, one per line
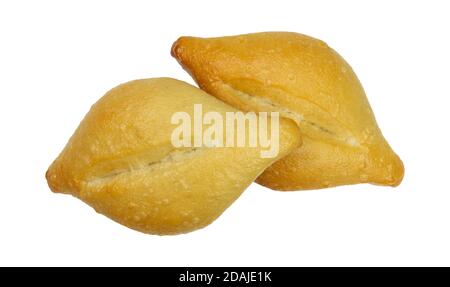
(397, 171)
(386, 168)
(51, 177)
(179, 47)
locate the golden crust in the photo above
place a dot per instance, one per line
(120, 160)
(305, 80)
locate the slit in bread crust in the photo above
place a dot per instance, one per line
(287, 113)
(175, 155)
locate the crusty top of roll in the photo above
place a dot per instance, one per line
(121, 161)
(307, 81)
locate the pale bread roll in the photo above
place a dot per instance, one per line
(121, 161)
(307, 81)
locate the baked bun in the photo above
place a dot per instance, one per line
(121, 160)
(308, 82)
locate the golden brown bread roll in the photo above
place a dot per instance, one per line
(121, 160)
(307, 81)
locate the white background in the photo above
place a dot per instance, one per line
(58, 57)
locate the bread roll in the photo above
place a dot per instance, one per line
(121, 160)
(307, 81)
